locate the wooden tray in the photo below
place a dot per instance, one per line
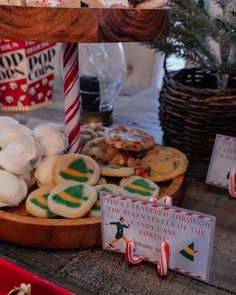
(83, 24)
(19, 228)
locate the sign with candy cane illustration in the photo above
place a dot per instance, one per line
(152, 226)
(223, 161)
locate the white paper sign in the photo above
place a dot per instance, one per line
(189, 234)
(223, 161)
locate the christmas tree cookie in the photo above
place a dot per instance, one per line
(71, 199)
(37, 204)
(139, 187)
(76, 167)
(108, 188)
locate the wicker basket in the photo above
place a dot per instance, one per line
(192, 111)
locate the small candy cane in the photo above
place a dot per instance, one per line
(129, 253)
(167, 200)
(164, 259)
(232, 181)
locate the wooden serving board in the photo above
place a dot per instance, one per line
(83, 25)
(19, 228)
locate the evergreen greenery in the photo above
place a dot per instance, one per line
(204, 36)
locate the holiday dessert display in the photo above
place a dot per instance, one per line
(39, 177)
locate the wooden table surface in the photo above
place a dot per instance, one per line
(94, 271)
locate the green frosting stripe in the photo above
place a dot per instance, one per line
(36, 202)
(134, 191)
(72, 177)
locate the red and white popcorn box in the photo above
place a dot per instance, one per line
(26, 74)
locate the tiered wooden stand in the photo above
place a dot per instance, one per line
(80, 26)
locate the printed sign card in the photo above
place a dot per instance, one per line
(223, 161)
(189, 234)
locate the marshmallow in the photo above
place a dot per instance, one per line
(52, 138)
(8, 133)
(21, 155)
(44, 172)
(13, 189)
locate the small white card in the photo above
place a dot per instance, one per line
(189, 234)
(223, 161)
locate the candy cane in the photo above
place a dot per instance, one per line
(164, 259)
(72, 95)
(129, 253)
(232, 182)
(167, 200)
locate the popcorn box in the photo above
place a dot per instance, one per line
(26, 74)
(12, 276)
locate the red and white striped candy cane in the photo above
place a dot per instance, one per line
(129, 253)
(72, 95)
(232, 183)
(167, 200)
(164, 259)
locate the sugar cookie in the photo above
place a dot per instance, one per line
(72, 199)
(116, 171)
(139, 187)
(108, 188)
(13, 189)
(44, 172)
(36, 203)
(76, 167)
(160, 163)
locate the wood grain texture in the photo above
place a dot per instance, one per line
(19, 228)
(83, 25)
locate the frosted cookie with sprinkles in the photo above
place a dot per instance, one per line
(116, 171)
(130, 139)
(37, 204)
(72, 199)
(140, 187)
(76, 167)
(108, 188)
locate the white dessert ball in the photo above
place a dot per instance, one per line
(44, 173)
(9, 132)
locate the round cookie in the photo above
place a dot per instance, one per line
(160, 164)
(140, 187)
(36, 203)
(21, 155)
(13, 189)
(109, 188)
(130, 139)
(44, 172)
(104, 154)
(116, 171)
(76, 167)
(71, 199)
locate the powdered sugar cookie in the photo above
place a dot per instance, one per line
(37, 204)
(6, 120)
(108, 188)
(44, 172)
(71, 199)
(10, 132)
(160, 164)
(21, 155)
(130, 139)
(139, 187)
(116, 171)
(13, 189)
(76, 167)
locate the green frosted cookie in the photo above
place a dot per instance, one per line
(108, 188)
(36, 203)
(140, 187)
(76, 167)
(71, 199)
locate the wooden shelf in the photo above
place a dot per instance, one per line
(83, 25)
